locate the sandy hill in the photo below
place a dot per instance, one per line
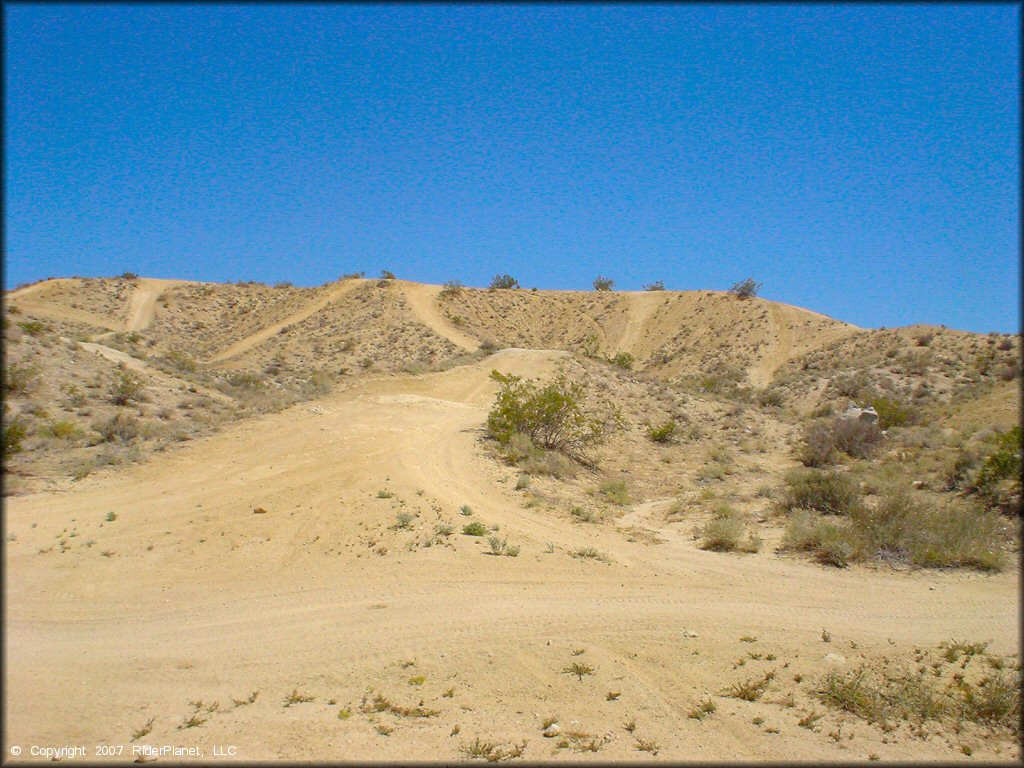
(238, 513)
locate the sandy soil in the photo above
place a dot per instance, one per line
(268, 558)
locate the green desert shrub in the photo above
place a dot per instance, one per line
(476, 528)
(33, 327)
(997, 482)
(603, 283)
(953, 534)
(663, 433)
(615, 491)
(503, 282)
(62, 430)
(657, 285)
(893, 413)
(623, 360)
(182, 361)
(14, 431)
(551, 416)
(127, 387)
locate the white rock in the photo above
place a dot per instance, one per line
(689, 633)
(835, 658)
(552, 730)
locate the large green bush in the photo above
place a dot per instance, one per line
(551, 416)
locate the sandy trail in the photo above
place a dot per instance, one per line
(142, 309)
(423, 301)
(255, 339)
(780, 351)
(642, 305)
(200, 599)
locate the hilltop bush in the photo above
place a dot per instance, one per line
(657, 285)
(451, 288)
(603, 283)
(503, 282)
(551, 416)
(746, 289)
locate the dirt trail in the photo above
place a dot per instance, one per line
(780, 351)
(142, 309)
(423, 301)
(188, 595)
(642, 305)
(255, 339)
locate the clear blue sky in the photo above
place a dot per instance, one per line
(861, 161)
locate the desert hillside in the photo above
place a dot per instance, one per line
(287, 519)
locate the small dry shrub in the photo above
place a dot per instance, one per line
(855, 437)
(828, 492)
(818, 447)
(127, 387)
(20, 378)
(122, 427)
(725, 532)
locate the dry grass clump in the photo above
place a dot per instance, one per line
(120, 427)
(751, 690)
(381, 703)
(521, 451)
(880, 695)
(20, 378)
(725, 532)
(901, 528)
(831, 493)
(493, 752)
(615, 491)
